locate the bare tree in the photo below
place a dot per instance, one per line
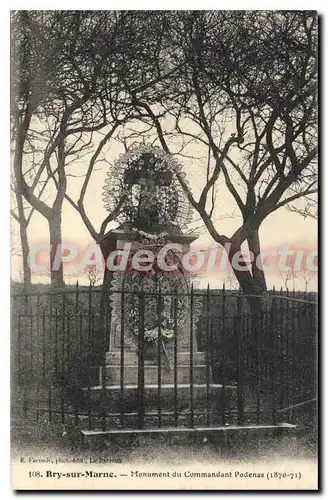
(92, 274)
(297, 278)
(18, 212)
(59, 65)
(231, 282)
(74, 88)
(247, 91)
(306, 207)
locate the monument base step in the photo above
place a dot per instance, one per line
(279, 428)
(112, 374)
(262, 438)
(112, 399)
(131, 358)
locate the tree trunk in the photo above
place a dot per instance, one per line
(57, 279)
(254, 246)
(25, 252)
(252, 286)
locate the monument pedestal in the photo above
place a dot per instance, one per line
(178, 386)
(112, 370)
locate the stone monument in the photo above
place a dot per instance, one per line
(151, 308)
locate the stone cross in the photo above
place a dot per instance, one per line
(150, 182)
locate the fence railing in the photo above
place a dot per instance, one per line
(240, 362)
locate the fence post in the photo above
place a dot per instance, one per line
(273, 332)
(89, 355)
(159, 352)
(191, 371)
(103, 373)
(281, 349)
(240, 361)
(50, 360)
(175, 356)
(259, 343)
(63, 366)
(208, 353)
(141, 359)
(293, 354)
(75, 378)
(223, 345)
(19, 348)
(287, 317)
(122, 354)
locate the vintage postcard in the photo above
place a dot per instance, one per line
(164, 250)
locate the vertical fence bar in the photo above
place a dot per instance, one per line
(191, 371)
(223, 348)
(49, 358)
(293, 352)
(56, 377)
(56, 344)
(103, 369)
(19, 349)
(25, 366)
(159, 353)
(31, 344)
(43, 344)
(76, 318)
(273, 332)
(77, 295)
(68, 347)
(122, 356)
(141, 360)
(240, 361)
(81, 347)
(281, 350)
(63, 364)
(175, 356)
(287, 346)
(314, 358)
(26, 302)
(49, 402)
(208, 353)
(69, 373)
(259, 333)
(37, 401)
(89, 355)
(300, 359)
(50, 371)
(83, 354)
(35, 376)
(25, 397)
(93, 338)
(31, 379)
(76, 346)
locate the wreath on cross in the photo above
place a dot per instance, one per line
(143, 184)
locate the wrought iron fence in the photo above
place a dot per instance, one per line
(245, 360)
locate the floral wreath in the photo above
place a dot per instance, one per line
(174, 302)
(170, 198)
